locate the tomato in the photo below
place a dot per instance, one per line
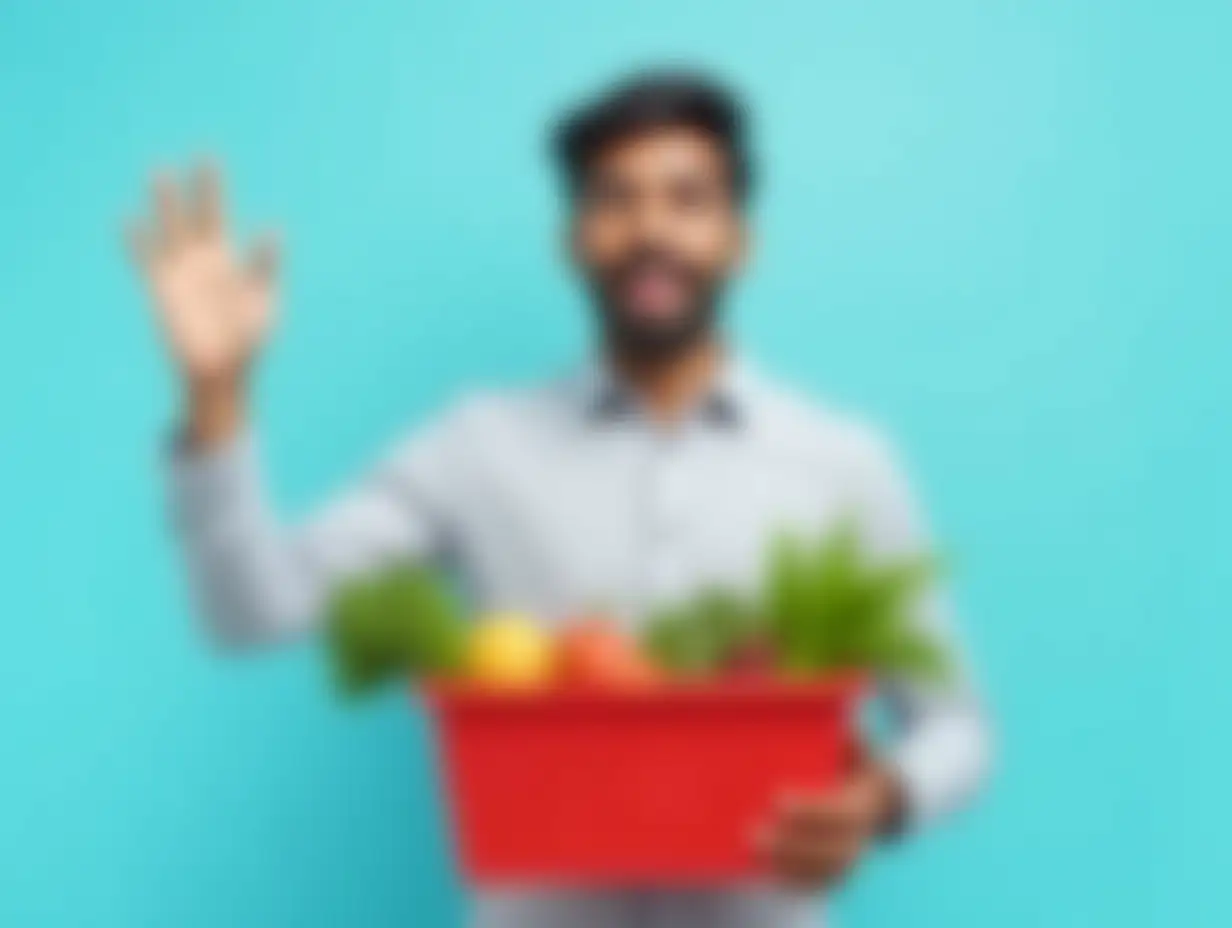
(592, 652)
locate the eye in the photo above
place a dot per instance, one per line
(692, 195)
(605, 193)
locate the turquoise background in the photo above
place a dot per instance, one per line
(1001, 228)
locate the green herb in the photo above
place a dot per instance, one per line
(398, 622)
(830, 606)
(700, 636)
(824, 605)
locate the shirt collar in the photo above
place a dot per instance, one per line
(727, 404)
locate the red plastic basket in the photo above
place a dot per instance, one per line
(662, 787)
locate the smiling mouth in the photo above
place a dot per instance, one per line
(653, 292)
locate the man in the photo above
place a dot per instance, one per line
(666, 464)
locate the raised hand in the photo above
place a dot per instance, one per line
(214, 306)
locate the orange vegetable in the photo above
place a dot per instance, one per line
(593, 652)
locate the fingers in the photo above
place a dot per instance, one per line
(811, 841)
(822, 815)
(141, 242)
(264, 257)
(171, 221)
(807, 861)
(206, 199)
(180, 213)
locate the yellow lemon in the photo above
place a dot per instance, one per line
(509, 649)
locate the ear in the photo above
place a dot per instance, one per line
(568, 239)
(743, 246)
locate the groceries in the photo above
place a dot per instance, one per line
(823, 607)
(592, 750)
(509, 650)
(598, 787)
(592, 652)
(400, 622)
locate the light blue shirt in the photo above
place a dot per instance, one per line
(555, 498)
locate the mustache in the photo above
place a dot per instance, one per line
(651, 258)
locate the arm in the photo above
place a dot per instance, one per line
(255, 579)
(940, 753)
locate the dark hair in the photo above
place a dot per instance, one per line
(654, 100)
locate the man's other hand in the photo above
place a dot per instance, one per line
(812, 841)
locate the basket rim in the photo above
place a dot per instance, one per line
(840, 685)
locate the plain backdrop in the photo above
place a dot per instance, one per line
(999, 228)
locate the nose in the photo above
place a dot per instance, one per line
(651, 222)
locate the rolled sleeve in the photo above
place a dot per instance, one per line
(941, 760)
(201, 481)
(255, 579)
(941, 750)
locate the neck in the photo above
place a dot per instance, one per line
(671, 385)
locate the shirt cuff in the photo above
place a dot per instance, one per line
(202, 482)
(911, 768)
(941, 766)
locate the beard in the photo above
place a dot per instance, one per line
(657, 341)
(649, 336)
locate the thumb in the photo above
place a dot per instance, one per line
(264, 257)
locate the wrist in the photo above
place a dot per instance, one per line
(885, 799)
(214, 412)
(892, 802)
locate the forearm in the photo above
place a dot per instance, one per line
(249, 576)
(257, 579)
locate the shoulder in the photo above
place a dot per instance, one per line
(486, 414)
(515, 406)
(836, 435)
(853, 453)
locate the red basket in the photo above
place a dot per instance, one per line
(658, 787)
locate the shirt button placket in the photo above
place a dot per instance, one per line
(661, 548)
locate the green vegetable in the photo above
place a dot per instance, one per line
(824, 605)
(702, 635)
(398, 622)
(830, 606)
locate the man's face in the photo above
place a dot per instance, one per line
(657, 232)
